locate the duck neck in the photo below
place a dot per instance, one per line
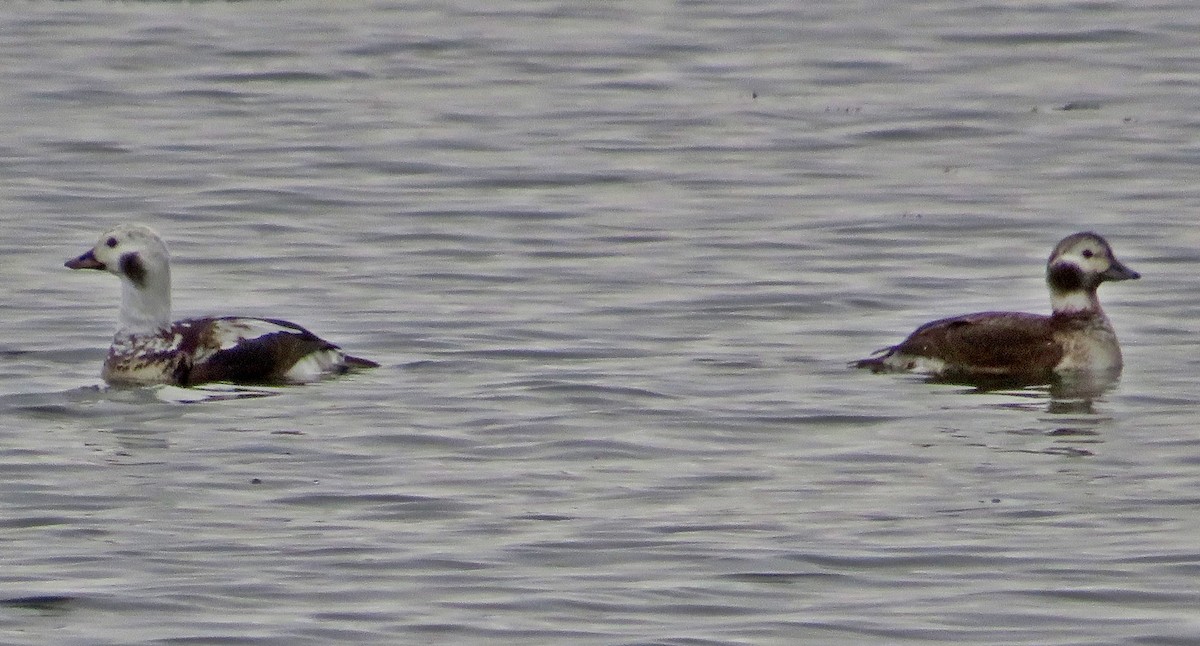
(145, 307)
(1075, 301)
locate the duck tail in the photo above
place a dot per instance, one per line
(877, 362)
(358, 362)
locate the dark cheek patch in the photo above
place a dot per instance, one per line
(1065, 277)
(131, 265)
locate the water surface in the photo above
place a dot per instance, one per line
(614, 261)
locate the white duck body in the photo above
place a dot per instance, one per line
(149, 348)
(1076, 337)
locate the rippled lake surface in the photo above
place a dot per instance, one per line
(614, 259)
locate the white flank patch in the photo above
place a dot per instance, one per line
(315, 365)
(903, 362)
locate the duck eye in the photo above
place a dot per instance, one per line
(1087, 253)
(112, 242)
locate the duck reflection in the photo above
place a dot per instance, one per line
(1069, 393)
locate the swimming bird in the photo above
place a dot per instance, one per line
(149, 348)
(1075, 337)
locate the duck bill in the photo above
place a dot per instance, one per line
(86, 261)
(1119, 271)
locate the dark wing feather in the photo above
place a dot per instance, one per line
(254, 350)
(988, 342)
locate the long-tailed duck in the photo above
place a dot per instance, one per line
(150, 349)
(1076, 337)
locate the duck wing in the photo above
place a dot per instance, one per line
(255, 350)
(987, 343)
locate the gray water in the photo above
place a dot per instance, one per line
(614, 258)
